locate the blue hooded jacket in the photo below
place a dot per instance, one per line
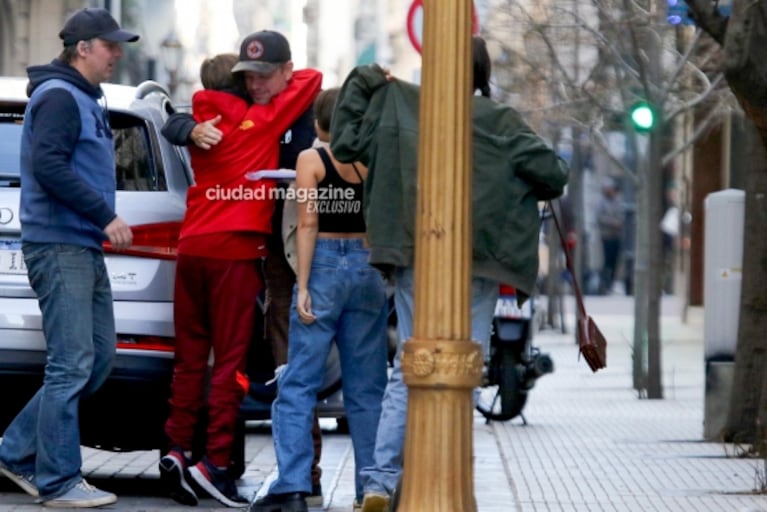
(67, 160)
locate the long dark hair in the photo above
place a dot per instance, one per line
(323, 107)
(482, 65)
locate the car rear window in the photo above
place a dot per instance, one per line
(137, 167)
(10, 135)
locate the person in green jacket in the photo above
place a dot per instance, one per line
(376, 123)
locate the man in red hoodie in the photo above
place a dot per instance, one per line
(218, 277)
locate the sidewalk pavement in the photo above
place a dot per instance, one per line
(590, 444)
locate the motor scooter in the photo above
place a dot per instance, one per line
(514, 364)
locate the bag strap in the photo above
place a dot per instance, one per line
(357, 171)
(569, 262)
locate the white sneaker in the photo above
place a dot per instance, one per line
(26, 482)
(82, 495)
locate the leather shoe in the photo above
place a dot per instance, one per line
(375, 502)
(287, 502)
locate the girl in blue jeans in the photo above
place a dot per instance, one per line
(338, 296)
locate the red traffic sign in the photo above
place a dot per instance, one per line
(415, 23)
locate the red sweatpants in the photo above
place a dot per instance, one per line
(214, 308)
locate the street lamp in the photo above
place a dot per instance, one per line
(440, 364)
(172, 54)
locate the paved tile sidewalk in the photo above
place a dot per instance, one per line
(590, 444)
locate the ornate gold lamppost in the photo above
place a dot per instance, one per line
(440, 364)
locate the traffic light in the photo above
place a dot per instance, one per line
(642, 116)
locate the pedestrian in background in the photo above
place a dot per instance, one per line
(218, 274)
(338, 296)
(376, 122)
(67, 211)
(610, 218)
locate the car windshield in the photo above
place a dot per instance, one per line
(10, 141)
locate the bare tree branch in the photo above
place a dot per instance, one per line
(598, 137)
(713, 116)
(700, 98)
(683, 63)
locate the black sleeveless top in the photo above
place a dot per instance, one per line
(339, 202)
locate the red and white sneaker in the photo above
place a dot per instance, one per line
(218, 483)
(173, 474)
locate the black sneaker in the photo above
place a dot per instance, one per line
(218, 483)
(173, 474)
(288, 502)
(315, 499)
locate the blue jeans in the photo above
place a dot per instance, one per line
(349, 301)
(383, 475)
(75, 300)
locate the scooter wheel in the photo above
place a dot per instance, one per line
(505, 398)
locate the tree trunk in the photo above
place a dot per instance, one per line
(744, 37)
(641, 263)
(747, 77)
(655, 262)
(554, 290)
(747, 417)
(647, 370)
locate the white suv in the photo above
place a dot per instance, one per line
(129, 411)
(152, 178)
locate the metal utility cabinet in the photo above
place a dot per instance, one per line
(723, 263)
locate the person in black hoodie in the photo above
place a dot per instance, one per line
(67, 211)
(262, 73)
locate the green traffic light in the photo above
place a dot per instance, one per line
(642, 116)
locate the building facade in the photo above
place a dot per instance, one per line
(29, 32)
(331, 35)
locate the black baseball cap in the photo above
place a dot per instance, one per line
(263, 52)
(88, 23)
